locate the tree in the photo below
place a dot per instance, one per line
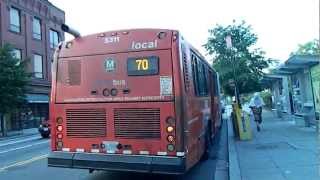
(242, 63)
(13, 81)
(309, 48)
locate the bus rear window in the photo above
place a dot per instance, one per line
(141, 66)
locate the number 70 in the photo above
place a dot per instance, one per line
(143, 64)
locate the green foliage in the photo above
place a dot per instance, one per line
(13, 81)
(309, 48)
(247, 61)
(245, 98)
(267, 98)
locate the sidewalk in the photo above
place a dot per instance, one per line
(281, 151)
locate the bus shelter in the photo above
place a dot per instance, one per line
(299, 85)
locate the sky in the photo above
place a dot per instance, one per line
(280, 24)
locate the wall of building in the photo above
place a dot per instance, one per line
(51, 18)
(315, 76)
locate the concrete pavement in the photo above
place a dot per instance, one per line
(283, 150)
(24, 157)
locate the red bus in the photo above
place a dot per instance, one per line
(141, 100)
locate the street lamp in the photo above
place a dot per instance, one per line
(228, 40)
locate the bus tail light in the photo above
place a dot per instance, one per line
(59, 128)
(170, 120)
(169, 129)
(59, 136)
(59, 120)
(59, 145)
(170, 138)
(170, 147)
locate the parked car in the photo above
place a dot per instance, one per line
(44, 128)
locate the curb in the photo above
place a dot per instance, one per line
(234, 168)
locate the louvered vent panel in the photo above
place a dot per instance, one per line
(137, 123)
(74, 72)
(186, 71)
(86, 123)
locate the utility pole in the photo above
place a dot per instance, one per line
(228, 40)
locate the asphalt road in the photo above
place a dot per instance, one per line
(24, 158)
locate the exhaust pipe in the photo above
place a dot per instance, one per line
(69, 30)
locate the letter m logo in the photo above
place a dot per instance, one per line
(109, 65)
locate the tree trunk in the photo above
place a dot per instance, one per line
(3, 125)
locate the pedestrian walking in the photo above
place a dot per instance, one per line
(255, 105)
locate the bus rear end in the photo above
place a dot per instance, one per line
(113, 103)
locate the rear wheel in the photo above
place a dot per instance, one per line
(206, 153)
(208, 143)
(45, 135)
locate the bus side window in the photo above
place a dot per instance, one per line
(195, 75)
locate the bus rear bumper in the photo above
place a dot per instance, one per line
(118, 162)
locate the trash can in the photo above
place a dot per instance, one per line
(308, 114)
(279, 110)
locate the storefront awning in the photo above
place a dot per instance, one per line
(37, 98)
(272, 77)
(296, 63)
(303, 60)
(299, 62)
(282, 72)
(268, 79)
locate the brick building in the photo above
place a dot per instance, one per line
(32, 27)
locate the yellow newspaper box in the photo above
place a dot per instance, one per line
(243, 123)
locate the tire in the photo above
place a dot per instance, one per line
(45, 135)
(208, 143)
(221, 120)
(205, 155)
(178, 176)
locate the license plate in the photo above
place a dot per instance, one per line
(45, 129)
(110, 146)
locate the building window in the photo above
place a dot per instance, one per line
(15, 20)
(16, 53)
(37, 66)
(36, 27)
(54, 38)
